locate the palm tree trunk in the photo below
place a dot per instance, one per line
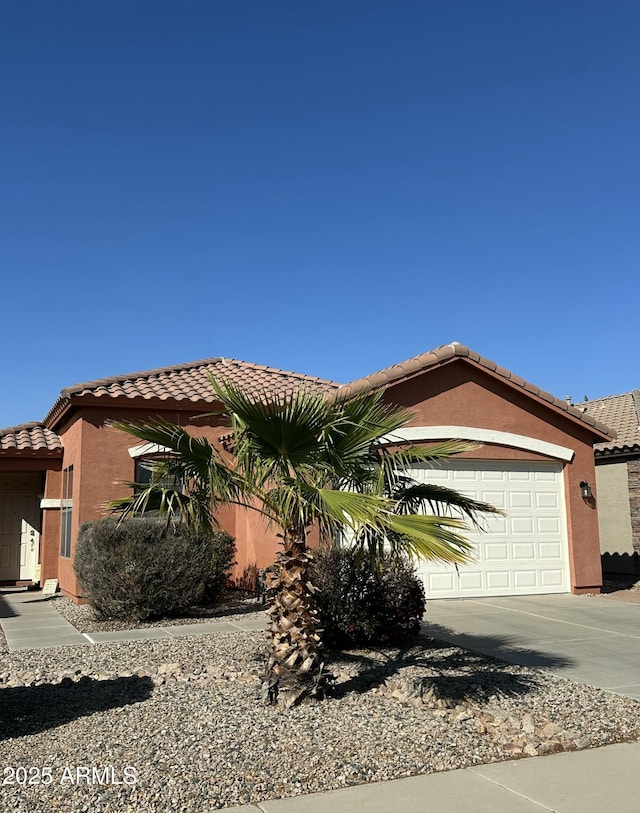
(295, 667)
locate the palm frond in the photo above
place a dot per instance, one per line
(414, 498)
(430, 537)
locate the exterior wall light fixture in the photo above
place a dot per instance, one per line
(585, 490)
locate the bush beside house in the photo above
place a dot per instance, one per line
(144, 568)
(363, 603)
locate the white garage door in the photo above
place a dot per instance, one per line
(523, 552)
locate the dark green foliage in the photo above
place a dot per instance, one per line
(142, 568)
(223, 553)
(361, 603)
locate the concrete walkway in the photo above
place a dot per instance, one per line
(32, 622)
(593, 781)
(588, 639)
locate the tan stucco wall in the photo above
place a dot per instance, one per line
(614, 516)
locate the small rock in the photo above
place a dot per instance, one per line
(168, 668)
(550, 730)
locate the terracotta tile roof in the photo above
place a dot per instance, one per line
(621, 413)
(414, 366)
(190, 382)
(29, 437)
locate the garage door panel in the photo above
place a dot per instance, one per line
(495, 526)
(470, 581)
(495, 474)
(440, 582)
(550, 550)
(548, 525)
(498, 580)
(521, 525)
(439, 475)
(521, 499)
(547, 499)
(496, 551)
(553, 578)
(466, 476)
(495, 498)
(519, 475)
(525, 580)
(522, 552)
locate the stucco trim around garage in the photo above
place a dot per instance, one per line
(420, 433)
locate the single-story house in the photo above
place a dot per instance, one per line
(533, 453)
(618, 481)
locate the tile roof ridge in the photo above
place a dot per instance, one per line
(38, 437)
(415, 364)
(445, 352)
(609, 397)
(21, 427)
(189, 365)
(635, 395)
(116, 379)
(289, 373)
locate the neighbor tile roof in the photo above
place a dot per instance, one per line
(190, 382)
(414, 366)
(621, 413)
(29, 437)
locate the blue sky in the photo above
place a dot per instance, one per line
(323, 187)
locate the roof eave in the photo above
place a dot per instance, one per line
(447, 354)
(13, 451)
(619, 451)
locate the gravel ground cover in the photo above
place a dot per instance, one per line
(232, 603)
(183, 718)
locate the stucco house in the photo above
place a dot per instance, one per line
(533, 451)
(618, 481)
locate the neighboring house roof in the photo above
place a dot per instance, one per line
(622, 413)
(188, 382)
(441, 355)
(29, 437)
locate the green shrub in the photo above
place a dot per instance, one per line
(358, 604)
(142, 568)
(223, 559)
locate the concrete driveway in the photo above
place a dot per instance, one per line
(588, 639)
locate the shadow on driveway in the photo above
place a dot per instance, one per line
(6, 611)
(31, 709)
(501, 647)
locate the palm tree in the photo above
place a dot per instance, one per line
(306, 460)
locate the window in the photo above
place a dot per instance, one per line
(143, 478)
(66, 512)
(144, 473)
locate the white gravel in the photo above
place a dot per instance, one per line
(185, 714)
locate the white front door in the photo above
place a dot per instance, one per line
(29, 547)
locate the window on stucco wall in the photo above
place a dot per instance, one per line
(143, 476)
(66, 515)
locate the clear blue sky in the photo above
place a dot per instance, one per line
(323, 187)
